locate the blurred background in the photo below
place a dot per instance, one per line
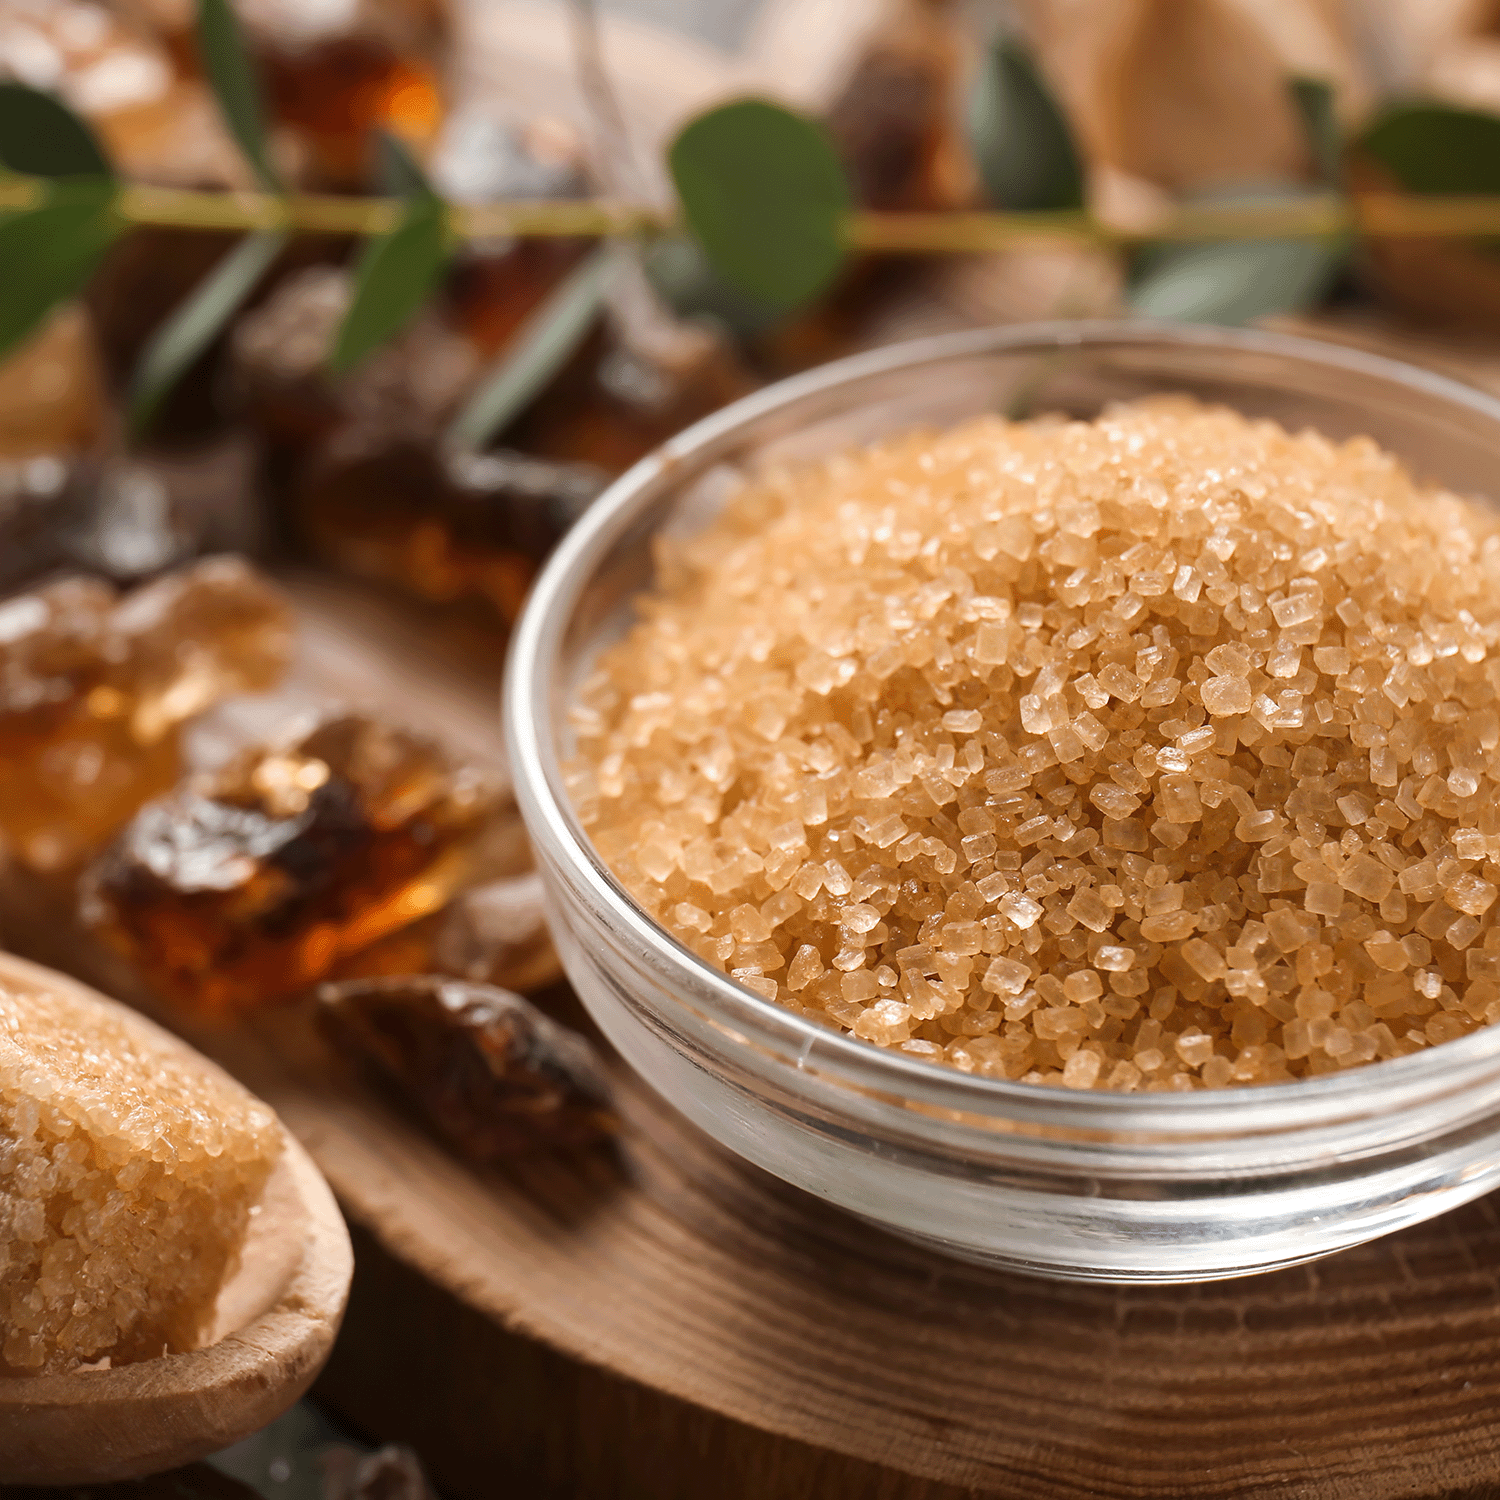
(257, 448)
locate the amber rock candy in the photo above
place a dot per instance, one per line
(129, 1168)
(279, 353)
(248, 883)
(496, 1076)
(494, 933)
(445, 528)
(52, 400)
(1156, 752)
(93, 689)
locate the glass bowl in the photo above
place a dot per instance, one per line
(1089, 1185)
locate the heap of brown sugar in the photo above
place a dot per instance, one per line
(1155, 752)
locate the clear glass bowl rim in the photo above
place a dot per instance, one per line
(838, 1057)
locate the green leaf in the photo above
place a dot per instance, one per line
(1313, 98)
(765, 195)
(536, 352)
(397, 171)
(1021, 139)
(1436, 148)
(49, 253)
(1234, 281)
(196, 321)
(681, 276)
(41, 137)
(395, 275)
(235, 83)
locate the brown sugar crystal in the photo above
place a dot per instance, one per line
(128, 1171)
(248, 884)
(1154, 752)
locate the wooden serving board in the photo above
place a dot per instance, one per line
(666, 1321)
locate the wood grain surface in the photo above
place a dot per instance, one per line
(666, 1321)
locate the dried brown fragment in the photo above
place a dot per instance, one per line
(497, 1077)
(247, 884)
(94, 687)
(493, 285)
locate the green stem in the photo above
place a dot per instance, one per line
(1314, 217)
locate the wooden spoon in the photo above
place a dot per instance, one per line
(275, 1323)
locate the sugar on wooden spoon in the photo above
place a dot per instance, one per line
(173, 1268)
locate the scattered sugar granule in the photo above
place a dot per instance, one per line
(1155, 752)
(128, 1170)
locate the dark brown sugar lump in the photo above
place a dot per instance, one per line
(1153, 752)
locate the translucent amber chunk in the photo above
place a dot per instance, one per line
(447, 529)
(93, 689)
(249, 883)
(128, 1169)
(494, 933)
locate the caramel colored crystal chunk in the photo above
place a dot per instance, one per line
(496, 1076)
(444, 528)
(495, 933)
(376, 492)
(51, 390)
(128, 1170)
(1155, 752)
(93, 688)
(249, 883)
(279, 354)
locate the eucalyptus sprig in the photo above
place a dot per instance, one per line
(763, 204)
